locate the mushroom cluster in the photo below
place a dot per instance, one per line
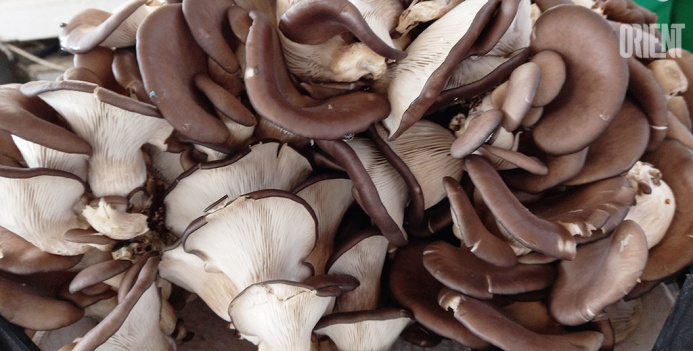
(331, 175)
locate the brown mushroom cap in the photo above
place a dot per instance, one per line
(553, 76)
(92, 27)
(590, 211)
(594, 90)
(209, 25)
(601, 273)
(97, 273)
(266, 79)
(618, 148)
(477, 132)
(492, 326)
(25, 117)
(650, 96)
(460, 270)
(538, 234)
(167, 73)
(314, 22)
(472, 232)
(522, 88)
(560, 169)
(21, 257)
(415, 289)
(31, 301)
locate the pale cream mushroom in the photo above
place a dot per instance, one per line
(263, 166)
(655, 203)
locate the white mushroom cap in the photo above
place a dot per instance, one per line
(113, 222)
(39, 156)
(38, 206)
(188, 271)
(655, 203)
(267, 166)
(364, 330)
(260, 236)
(425, 149)
(329, 198)
(279, 315)
(115, 133)
(141, 331)
(425, 54)
(363, 260)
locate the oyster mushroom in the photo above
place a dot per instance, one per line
(364, 330)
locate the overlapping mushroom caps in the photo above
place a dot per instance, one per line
(240, 220)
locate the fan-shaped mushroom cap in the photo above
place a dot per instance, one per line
(469, 228)
(592, 96)
(477, 130)
(618, 148)
(330, 197)
(590, 211)
(168, 75)
(126, 72)
(94, 113)
(188, 271)
(655, 204)
(501, 331)
(262, 166)
(18, 256)
(560, 169)
(39, 207)
(416, 290)
(601, 274)
(460, 270)
(364, 330)
(361, 256)
(93, 27)
(280, 315)
(259, 236)
(98, 273)
(541, 235)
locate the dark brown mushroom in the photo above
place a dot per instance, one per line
(594, 92)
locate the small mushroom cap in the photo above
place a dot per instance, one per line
(553, 76)
(314, 22)
(541, 235)
(209, 25)
(499, 330)
(522, 88)
(474, 235)
(655, 203)
(560, 169)
(98, 273)
(593, 96)
(477, 131)
(582, 289)
(460, 270)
